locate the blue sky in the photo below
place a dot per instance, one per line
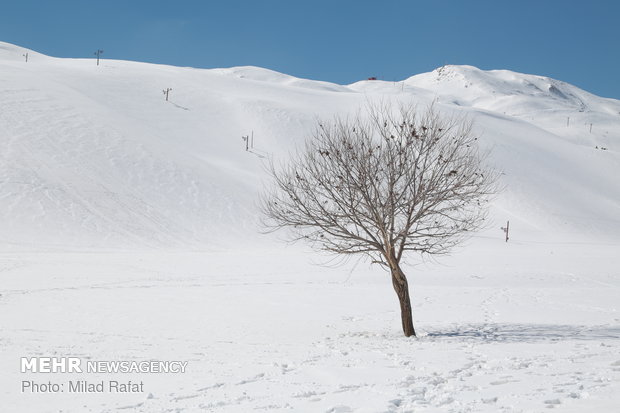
(339, 41)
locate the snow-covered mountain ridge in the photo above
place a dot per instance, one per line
(95, 157)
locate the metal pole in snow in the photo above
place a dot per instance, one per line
(166, 92)
(98, 53)
(26, 56)
(252, 143)
(507, 229)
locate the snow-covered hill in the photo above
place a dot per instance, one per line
(95, 157)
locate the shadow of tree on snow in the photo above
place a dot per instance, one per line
(520, 333)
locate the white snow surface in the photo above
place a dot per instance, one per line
(129, 231)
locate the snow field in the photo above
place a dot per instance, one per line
(129, 232)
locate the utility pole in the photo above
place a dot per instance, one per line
(567, 121)
(26, 56)
(98, 53)
(505, 229)
(166, 92)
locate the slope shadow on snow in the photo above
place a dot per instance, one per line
(524, 333)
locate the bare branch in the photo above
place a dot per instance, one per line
(398, 181)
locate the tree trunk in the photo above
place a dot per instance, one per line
(399, 281)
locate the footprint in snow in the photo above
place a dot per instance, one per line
(308, 394)
(215, 386)
(347, 387)
(396, 402)
(251, 380)
(552, 403)
(499, 382)
(339, 409)
(179, 398)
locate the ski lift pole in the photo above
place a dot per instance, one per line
(506, 229)
(167, 92)
(98, 53)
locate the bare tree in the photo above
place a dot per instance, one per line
(395, 183)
